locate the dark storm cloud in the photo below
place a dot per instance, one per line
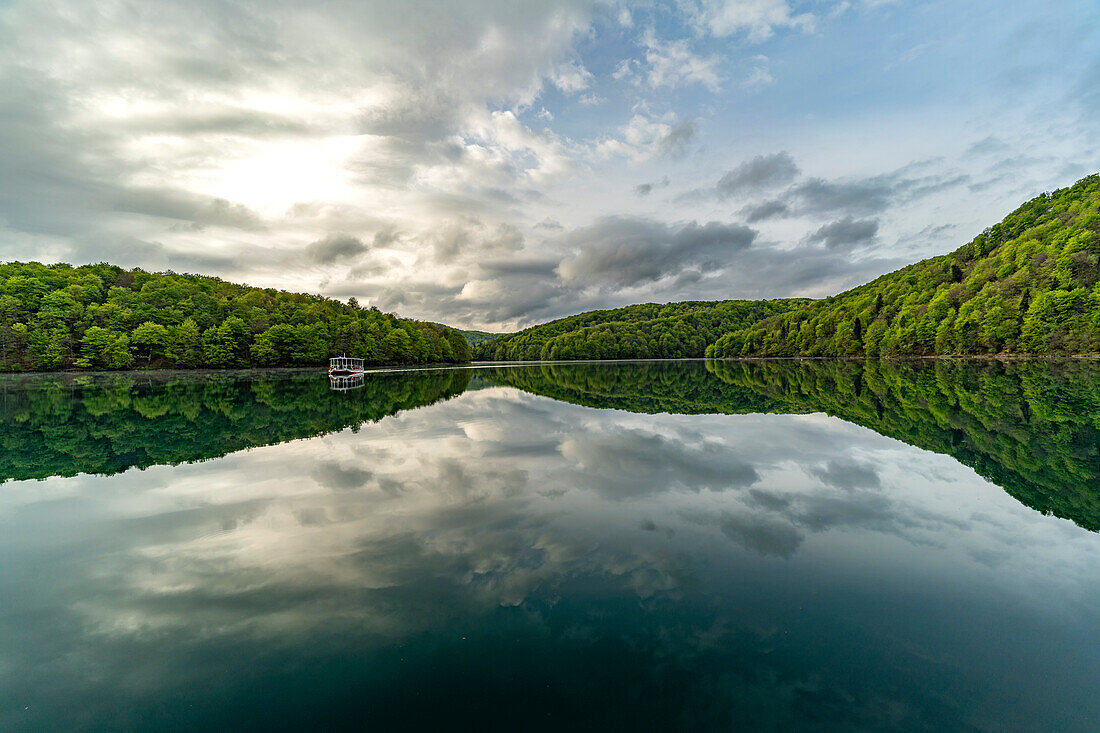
(851, 197)
(848, 474)
(863, 196)
(627, 463)
(762, 172)
(845, 233)
(762, 535)
(626, 251)
(221, 121)
(335, 247)
(764, 211)
(201, 211)
(334, 476)
(864, 509)
(752, 177)
(517, 266)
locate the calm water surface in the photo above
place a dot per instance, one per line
(651, 546)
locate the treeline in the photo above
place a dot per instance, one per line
(1031, 427)
(1028, 285)
(54, 425)
(106, 317)
(647, 331)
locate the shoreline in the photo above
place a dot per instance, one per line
(398, 368)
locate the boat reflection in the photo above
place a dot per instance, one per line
(342, 383)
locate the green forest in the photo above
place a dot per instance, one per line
(1029, 285)
(1031, 427)
(106, 317)
(647, 331)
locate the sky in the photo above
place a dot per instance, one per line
(493, 164)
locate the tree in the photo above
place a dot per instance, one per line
(46, 347)
(151, 339)
(185, 349)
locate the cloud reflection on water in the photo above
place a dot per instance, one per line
(499, 499)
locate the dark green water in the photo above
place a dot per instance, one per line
(649, 546)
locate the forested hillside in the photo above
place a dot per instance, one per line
(647, 331)
(1030, 284)
(106, 317)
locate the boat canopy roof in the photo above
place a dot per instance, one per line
(345, 362)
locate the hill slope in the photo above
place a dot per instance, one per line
(105, 317)
(473, 338)
(1027, 285)
(650, 330)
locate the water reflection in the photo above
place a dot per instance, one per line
(65, 425)
(1032, 428)
(505, 560)
(339, 383)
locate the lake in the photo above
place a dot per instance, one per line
(816, 545)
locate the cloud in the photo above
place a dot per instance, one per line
(628, 463)
(845, 233)
(645, 138)
(334, 476)
(761, 173)
(335, 247)
(764, 211)
(862, 196)
(644, 189)
(757, 19)
(626, 251)
(571, 77)
(676, 141)
(850, 197)
(762, 535)
(673, 64)
(848, 474)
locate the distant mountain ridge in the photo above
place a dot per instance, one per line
(646, 331)
(472, 337)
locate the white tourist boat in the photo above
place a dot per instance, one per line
(343, 366)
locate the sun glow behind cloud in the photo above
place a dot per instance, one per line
(280, 174)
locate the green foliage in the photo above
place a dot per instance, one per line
(1030, 284)
(647, 331)
(62, 425)
(105, 317)
(1032, 428)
